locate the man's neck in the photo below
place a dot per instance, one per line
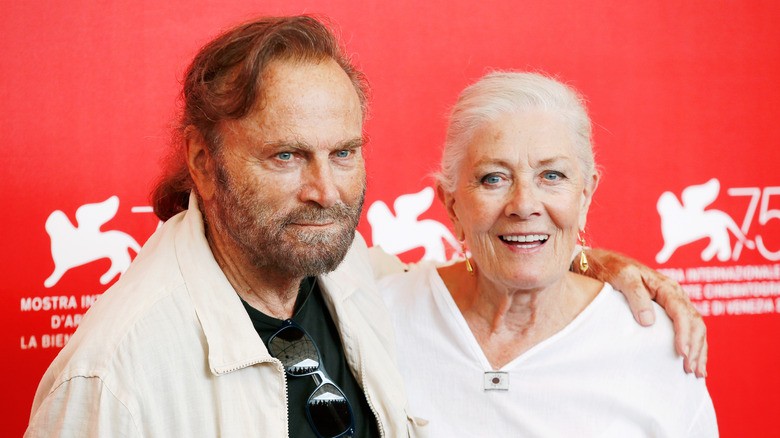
(272, 293)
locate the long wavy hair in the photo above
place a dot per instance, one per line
(225, 82)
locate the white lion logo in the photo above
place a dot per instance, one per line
(75, 246)
(403, 232)
(688, 222)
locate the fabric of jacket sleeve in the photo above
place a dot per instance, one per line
(384, 263)
(82, 407)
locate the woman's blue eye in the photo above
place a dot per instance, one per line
(284, 156)
(491, 179)
(552, 176)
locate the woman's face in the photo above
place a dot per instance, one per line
(520, 199)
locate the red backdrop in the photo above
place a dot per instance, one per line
(680, 93)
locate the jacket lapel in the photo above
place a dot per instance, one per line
(232, 340)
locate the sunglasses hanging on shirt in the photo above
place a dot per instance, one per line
(328, 409)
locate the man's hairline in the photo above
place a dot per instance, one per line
(257, 105)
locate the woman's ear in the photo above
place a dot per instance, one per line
(200, 163)
(587, 196)
(448, 200)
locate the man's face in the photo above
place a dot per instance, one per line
(291, 176)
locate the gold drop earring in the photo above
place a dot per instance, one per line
(583, 258)
(469, 268)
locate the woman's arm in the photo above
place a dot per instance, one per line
(641, 285)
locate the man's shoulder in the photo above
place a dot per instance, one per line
(409, 289)
(120, 324)
(146, 300)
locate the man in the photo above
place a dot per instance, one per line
(263, 195)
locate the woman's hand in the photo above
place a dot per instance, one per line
(640, 285)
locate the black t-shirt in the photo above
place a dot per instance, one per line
(312, 314)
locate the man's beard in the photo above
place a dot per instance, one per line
(265, 236)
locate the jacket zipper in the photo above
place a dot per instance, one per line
(286, 401)
(368, 397)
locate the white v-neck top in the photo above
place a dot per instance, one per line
(602, 375)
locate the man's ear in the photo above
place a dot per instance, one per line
(448, 200)
(200, 163)
(587, 196)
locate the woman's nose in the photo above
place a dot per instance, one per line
(523, 201)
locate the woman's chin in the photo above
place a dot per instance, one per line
(523, 280)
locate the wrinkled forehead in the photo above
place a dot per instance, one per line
(317, 87)
(523, 132)
(304, 103)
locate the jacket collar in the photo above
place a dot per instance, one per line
(232, 340)
(351, 276)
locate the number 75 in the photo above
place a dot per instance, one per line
(764, 216)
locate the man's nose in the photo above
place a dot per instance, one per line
(320, 185)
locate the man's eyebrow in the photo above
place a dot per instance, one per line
(350, 144)
(286, 144)
(355, 143)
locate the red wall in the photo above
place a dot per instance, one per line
(680, 93)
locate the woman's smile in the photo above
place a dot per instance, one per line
(524, 241)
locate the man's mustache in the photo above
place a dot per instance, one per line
(310, 214)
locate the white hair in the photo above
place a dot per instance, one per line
(501, 93)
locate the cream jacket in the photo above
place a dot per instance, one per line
(169, 351)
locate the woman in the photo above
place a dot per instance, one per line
(509, 341)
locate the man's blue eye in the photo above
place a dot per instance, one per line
(284, 156)
(342, 154)
(552, 176)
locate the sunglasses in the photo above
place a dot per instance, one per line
(328, 409)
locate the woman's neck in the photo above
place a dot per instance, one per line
(508, 322)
